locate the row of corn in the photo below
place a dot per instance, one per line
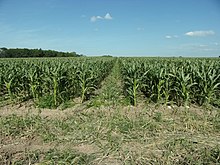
(58, 79)
(172, 80)
(160, 80)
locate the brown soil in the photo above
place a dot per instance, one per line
(27, 108)
(16, 147)
(23, 144)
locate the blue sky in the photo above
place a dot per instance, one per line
(115, 27)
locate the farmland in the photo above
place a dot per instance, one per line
(176, 81)
(106, 110)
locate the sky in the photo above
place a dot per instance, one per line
(113, 27)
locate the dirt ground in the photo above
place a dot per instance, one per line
(125, 143)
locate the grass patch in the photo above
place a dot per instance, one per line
(50, 157)
(124, 136)
(45, 102)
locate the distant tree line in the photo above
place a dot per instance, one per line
(106, 55)
(25, 53)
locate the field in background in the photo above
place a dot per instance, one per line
(110, 111)
(176, 81)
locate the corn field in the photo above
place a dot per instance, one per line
(167, 80)
(160, 80)
(56, 80)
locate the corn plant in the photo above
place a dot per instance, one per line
(132, 76)
(208, 82)
(33, 82)
(8, 80)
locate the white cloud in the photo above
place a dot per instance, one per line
(95, 18)
(173, 36)
(199, 47)
(99, 17)
(200, 33)
(202, 45)
(106, 17)
(168, 37)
